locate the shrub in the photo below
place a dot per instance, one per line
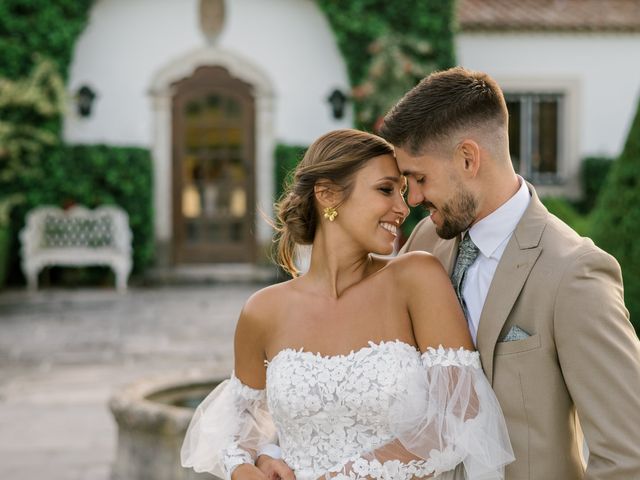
(287, 157)
(593, 174)
(568, 213)
(616, 226)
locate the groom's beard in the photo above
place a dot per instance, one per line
(457, 214)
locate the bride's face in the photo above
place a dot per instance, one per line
(374, 211)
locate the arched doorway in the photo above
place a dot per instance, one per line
(213, 168)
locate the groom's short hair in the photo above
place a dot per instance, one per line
(441, 104)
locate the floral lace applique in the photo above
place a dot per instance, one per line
(328, 408)
(449, 357)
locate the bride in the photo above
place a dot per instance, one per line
(362, 367)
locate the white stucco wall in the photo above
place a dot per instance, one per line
(602, 72)
(128, 41)
(133, 50)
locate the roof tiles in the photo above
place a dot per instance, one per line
(549, 15)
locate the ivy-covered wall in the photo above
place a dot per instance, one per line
(48, 27)
(33, 31)
(99, 174)
(357, 23)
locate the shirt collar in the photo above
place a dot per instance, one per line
(490, 232)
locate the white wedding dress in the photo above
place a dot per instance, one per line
(383, 412)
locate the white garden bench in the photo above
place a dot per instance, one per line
(76, 237)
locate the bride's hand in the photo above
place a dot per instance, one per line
(246, 471)
(274, 469)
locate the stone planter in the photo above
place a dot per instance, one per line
(152, 418)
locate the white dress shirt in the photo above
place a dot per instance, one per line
(491, 235)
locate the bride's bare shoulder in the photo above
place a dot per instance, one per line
(267, 303)
(416, 270)
(415, 262)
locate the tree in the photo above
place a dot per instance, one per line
(616, 221)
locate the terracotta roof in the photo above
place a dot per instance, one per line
(549, 15)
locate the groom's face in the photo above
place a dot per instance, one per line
(434, 183)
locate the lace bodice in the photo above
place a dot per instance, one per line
(385, 411)
(327, 408)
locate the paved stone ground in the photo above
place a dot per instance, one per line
(63, 353)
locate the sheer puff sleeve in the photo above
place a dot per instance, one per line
(227, 429)
(447, 414)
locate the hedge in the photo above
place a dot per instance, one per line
(616, 226)
(287, 157)
(593, 175)
(569, 214)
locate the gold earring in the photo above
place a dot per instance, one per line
(330, 213)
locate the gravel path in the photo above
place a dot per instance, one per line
(64, 352)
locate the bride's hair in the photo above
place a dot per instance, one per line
(334, 157)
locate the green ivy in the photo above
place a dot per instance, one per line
(616, 222)
(44, 26)
(26, 106)
(358, 23)
(89, 175)
(97, 175)
(34, 29)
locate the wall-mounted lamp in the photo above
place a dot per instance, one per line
(84, 100)
(338, 101)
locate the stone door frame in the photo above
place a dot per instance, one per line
(162, 92)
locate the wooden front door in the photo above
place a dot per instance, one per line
(213, 168)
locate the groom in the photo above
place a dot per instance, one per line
(545, 306)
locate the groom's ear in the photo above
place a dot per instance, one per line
(468, 156)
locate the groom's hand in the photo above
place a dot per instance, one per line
(246, 471)
(274, 469)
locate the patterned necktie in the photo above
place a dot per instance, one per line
(467, 254)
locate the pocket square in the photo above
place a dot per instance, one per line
(515, 333)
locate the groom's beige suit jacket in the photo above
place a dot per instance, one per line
(581, 360)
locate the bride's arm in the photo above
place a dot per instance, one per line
(233, 422)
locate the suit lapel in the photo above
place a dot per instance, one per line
(514, 267)
(446, 251)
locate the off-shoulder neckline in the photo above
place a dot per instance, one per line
(371, 345)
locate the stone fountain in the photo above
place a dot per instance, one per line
(152, 417)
